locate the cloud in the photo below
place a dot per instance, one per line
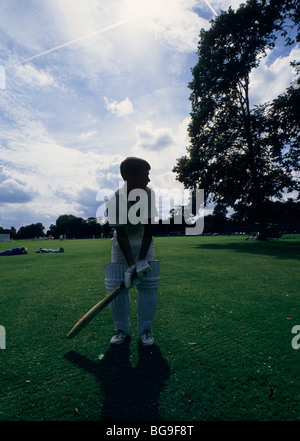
(153, 139)
(122, 108)
(83, 198)
(223, 5)
(34, 77)
(163, 160)
(272, 77)
(87, 135)
(61, 175)
(13, 190)
(108, 175)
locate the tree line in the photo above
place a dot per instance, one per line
(285, 215)
(66, 225)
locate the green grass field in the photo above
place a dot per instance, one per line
(223, 349)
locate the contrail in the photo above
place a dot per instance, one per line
(209, 5)
(68, 43)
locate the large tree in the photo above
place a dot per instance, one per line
(241, 154)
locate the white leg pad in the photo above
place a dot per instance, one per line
(120, 306)
(147, 300)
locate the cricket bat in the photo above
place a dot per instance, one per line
(88, 316)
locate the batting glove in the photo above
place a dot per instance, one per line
(129, 276)
(142, 268)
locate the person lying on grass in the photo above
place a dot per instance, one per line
(44, 250)
(14, 251)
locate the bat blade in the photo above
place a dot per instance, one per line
(89, 315)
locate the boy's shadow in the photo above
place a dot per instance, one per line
(130, 393)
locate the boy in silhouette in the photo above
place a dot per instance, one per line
(132, 258)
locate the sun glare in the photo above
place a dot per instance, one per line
(150, 9)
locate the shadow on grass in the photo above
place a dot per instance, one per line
(280, 250)
(130, 393)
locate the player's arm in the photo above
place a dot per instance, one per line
(125, 247)
(148, 226)
(124, 244)
(142, 266)
(146, 241)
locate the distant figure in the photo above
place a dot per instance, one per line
(14, 252)
(44, 250)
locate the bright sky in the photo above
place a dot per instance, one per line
(86, 83)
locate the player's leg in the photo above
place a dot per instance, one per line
(147, 302)
(120, 306)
